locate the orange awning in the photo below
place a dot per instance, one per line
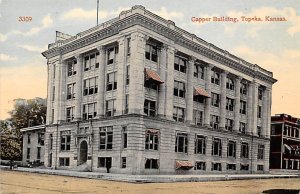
(201, 92)
(150, 74)
(183, 164)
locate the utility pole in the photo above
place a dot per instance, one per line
(97, 11)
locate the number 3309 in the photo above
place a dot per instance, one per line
(25, 18)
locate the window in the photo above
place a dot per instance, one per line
(229, 104)
(41, 138)
(112, 55)
(71, 67)
(243, 88)
(231, 149)
(200, 165)
(50, 142)
(242, 128)
(28, 154)
(180, 64)
(179, 89)
(110, 108)
(90, 86)
(127, 74)
(214, 121)
(128, 46)
(259, 111)
(260, 93)
(200, 144)
(243, 107)
(151, 140)
(244, 166)
(70, 114)
(70, 91)
(151, 84)
(260, 152)
(151, 163)
(198, 71)
(91, 61)
(229, 83)
(217, 147)
(106, 138)
(126, 104)
(65, 140)
(53, 93)
(198, 117)
(215, 99)
(64, 161)
(28, 138)
(259, 131)
(38, 153)
(124, 136)
(89, 111)
(150, 108)
(178, 114)
(104, 161)
(52, 116)
(111, 83)
(231, 166)
(229, 124)
(244, 150)
(198, 98)
(123, 164)
(151, 52)
(83, 130)
(260, 167)
(181, 144)
(216, 166)
(215, 78)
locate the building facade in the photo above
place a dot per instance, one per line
(285, 142)
(139, 95)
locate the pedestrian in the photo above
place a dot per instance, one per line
(108, 165)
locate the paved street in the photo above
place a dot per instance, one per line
(24, 182)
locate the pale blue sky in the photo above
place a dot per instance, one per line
(272, 45)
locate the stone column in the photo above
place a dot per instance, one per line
(101, 81)
(207, 107)
(61, 91)
(249, 110)
(136, 84)
(237, 104)
(170, 82)
(254, 106)
(50, 79)
(223, 100)
(267, 118)
(121, 77)
(78, 89)
(162, 87)
(190, 90)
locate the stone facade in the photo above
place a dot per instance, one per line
(143, 96)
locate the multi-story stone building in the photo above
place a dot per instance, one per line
(285, 142)
(143, 96)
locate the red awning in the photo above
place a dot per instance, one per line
(201, 92)
(150, 74)
(183, 165)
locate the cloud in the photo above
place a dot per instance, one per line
(32, 48)
(163, 12)
(4, 57)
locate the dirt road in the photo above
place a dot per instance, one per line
(20, 182)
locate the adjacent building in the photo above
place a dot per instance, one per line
(285, 142)
(139, 95)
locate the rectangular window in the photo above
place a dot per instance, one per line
(123, 164)
(181, 144)
(151, 52)
(259, 131)
(124, 136)
(217, 147)
(214, 121)
(231, 166)
(215, 99)
(229, 83)
(110, 108)
(260, 93)
(244, 150)
(103, 162)
(106, 138)
(70, 114)
(150, 108)
(89, 111)
(111, 83)
(112, 55)
(243, 107)
(53, 93)
(52, 116)
(198, 117)
(128, 46)
(127, 74)
(198, 71)
(243, 89)
(178, 114)
(41, 138)
(83, 130)
(260, 152)
(38, 153)
(50, 142)
(229, 104)
(242, 128)
(231, 149)
(199, 165)
(216, 166)
(70, 91)
(91, 61)
(229, 124)
(28, 154)
(151, 163)
(64, 161)
(200, 144)
(180, 64)
(28, 138)
(65, 140)
(126, 104)
(259, 111)
(90, 86)
(71, 67)
(215, 77)
(244, 167)
(260, 167)
(151, 140)
(179, 89)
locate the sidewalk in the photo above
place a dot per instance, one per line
(153, 178)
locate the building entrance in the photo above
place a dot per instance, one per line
(83, 152)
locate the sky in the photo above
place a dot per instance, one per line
(274, 46)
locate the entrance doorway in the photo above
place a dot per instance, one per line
(83, 152)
